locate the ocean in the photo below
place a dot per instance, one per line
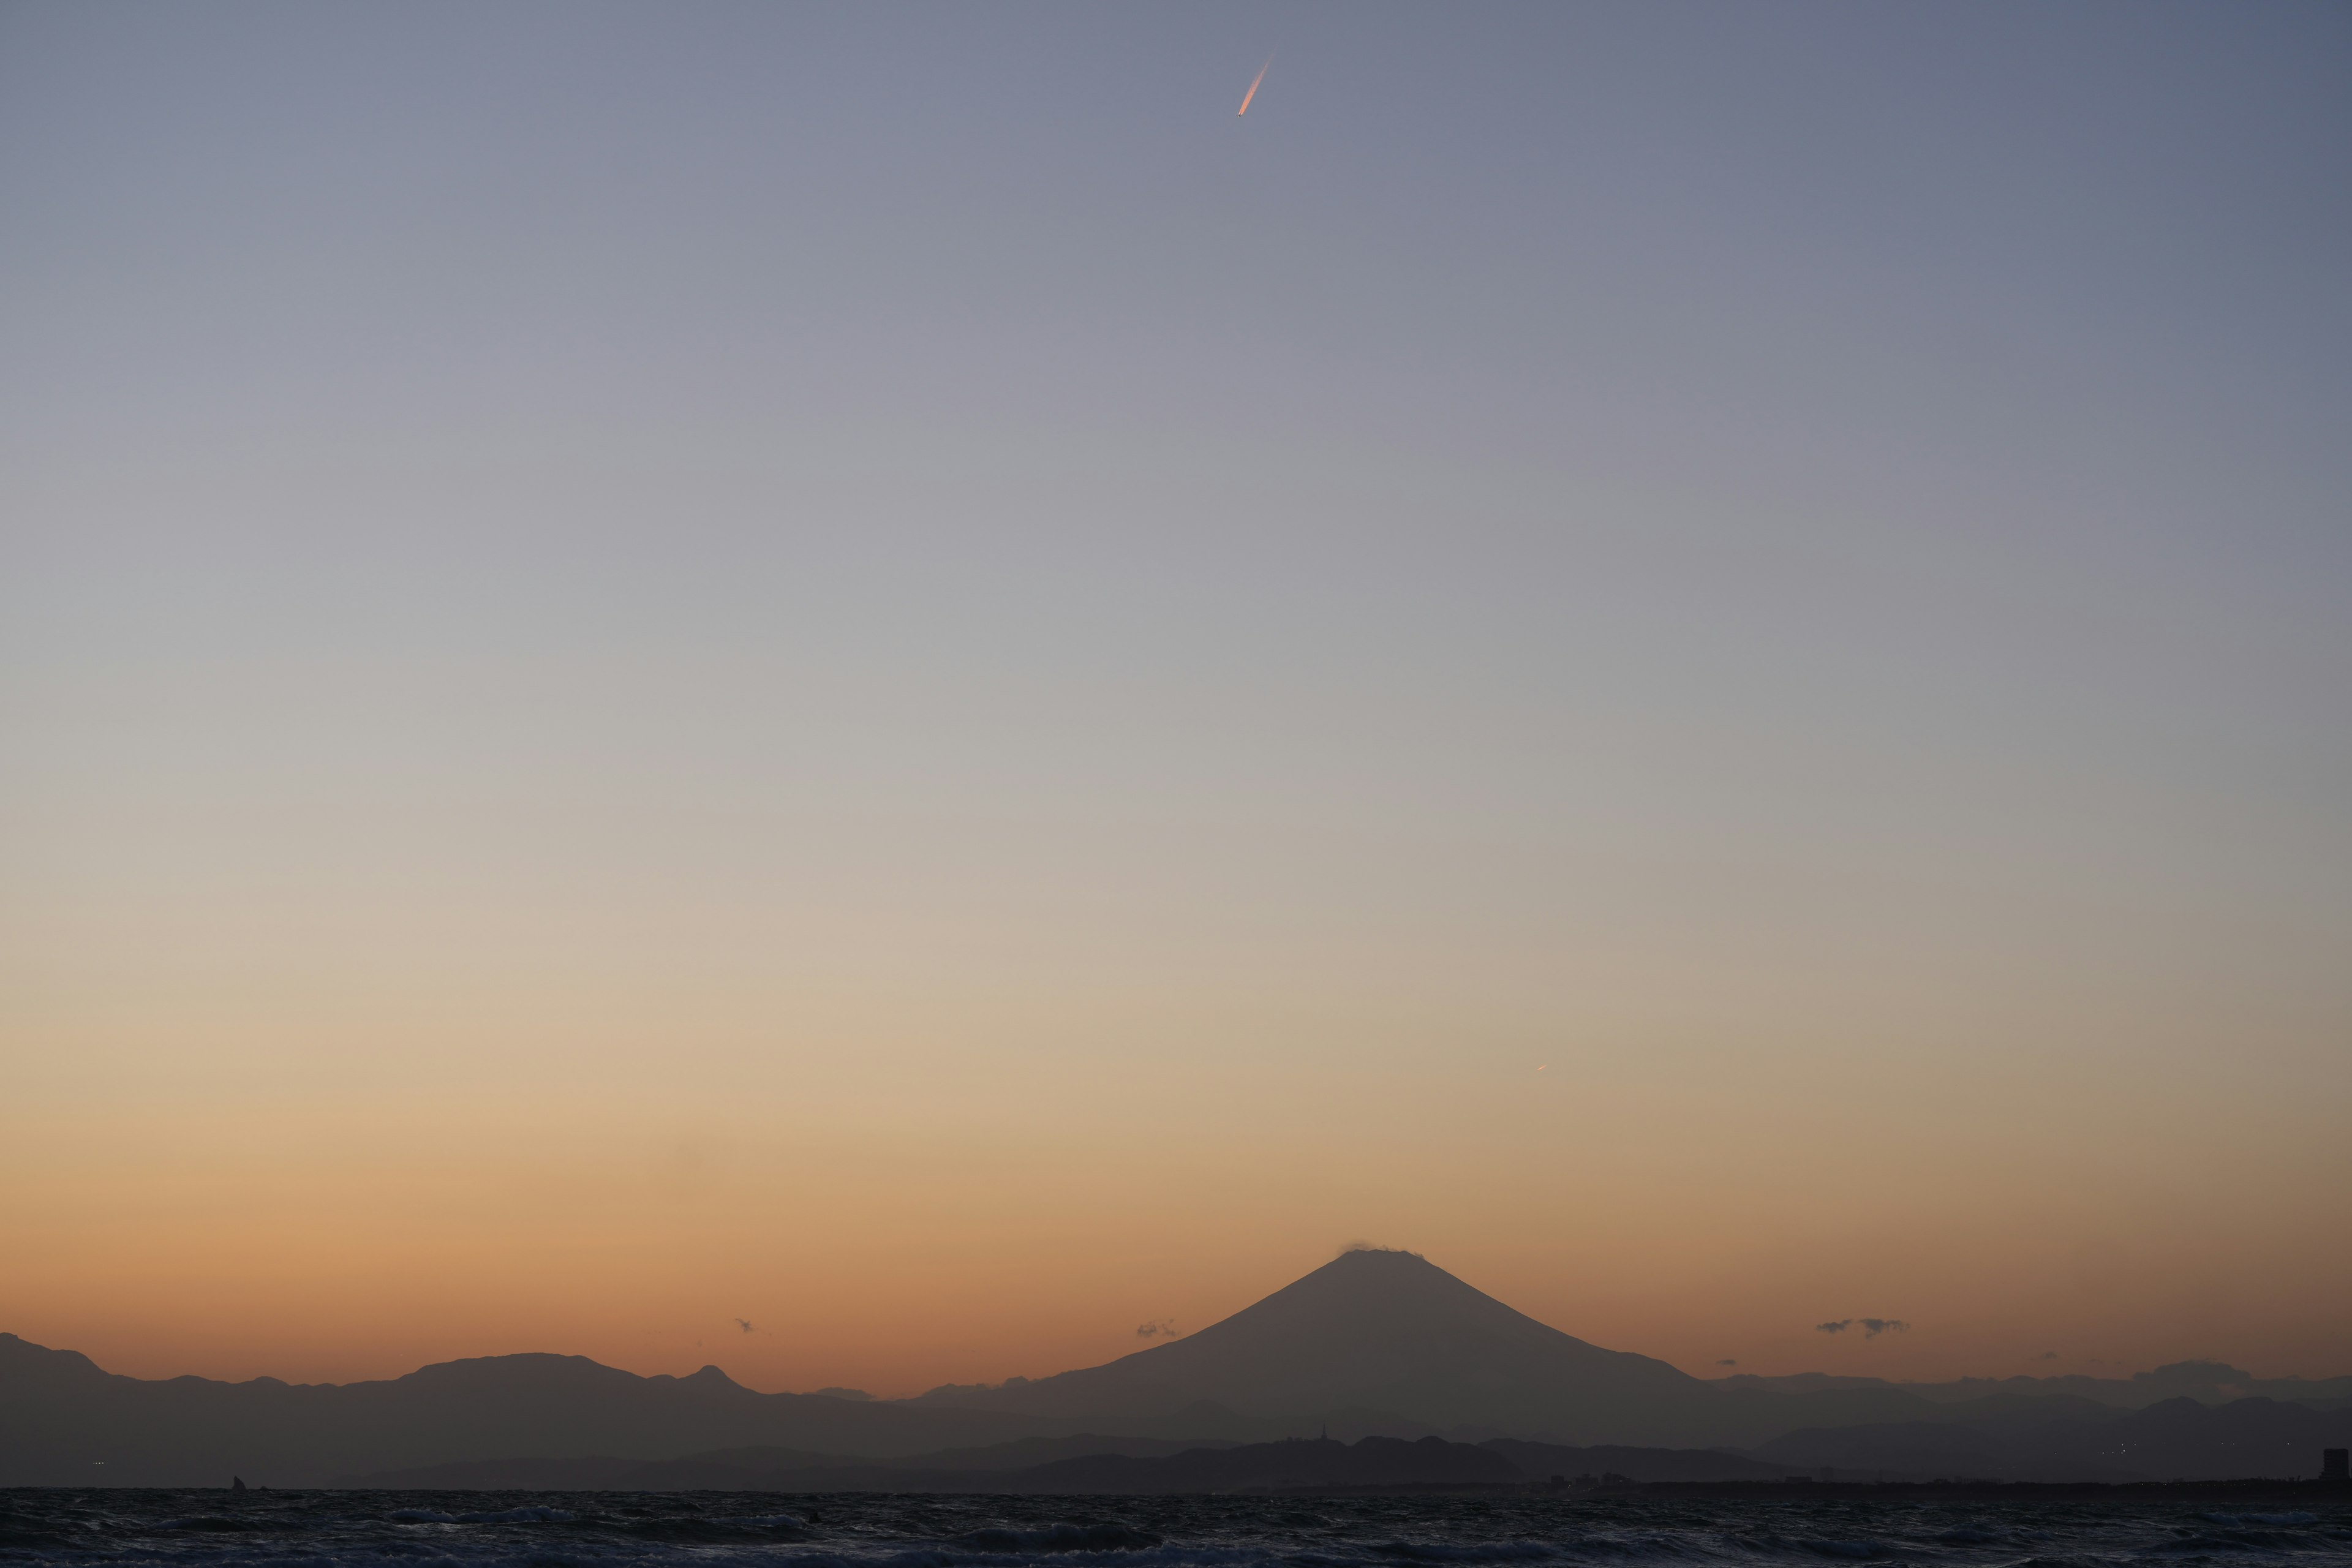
(865, 1530)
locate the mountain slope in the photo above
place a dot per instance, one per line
(1388, 1343)
(1383, 1331)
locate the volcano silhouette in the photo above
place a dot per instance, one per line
(1381, 1334)
(1377, 1343)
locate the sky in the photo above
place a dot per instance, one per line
(868, 693)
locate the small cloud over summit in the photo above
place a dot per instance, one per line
(1727, 1361)
(1871, 1327)
(1158, 1329)
(2047, 1355)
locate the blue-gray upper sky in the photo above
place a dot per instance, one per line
(1791, 541)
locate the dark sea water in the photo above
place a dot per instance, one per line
(720, 1530)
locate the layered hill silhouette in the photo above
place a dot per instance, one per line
(1113, 1466)
(2007, 1441)
(1375, 1344)
(72, 1423)
(2174, 1439)
(2207, 1382)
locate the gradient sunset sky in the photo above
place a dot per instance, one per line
(874, 670)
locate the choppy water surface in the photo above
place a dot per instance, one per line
(720, 1530)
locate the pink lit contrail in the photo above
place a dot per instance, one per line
(1254, 82)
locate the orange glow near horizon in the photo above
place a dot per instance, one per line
(905, 1218)
(984, 1113)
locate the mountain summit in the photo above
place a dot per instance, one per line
(1378, 1332)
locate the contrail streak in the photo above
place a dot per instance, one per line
(1254, 82)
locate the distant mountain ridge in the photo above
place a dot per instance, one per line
(70, 1423)
(1372, 1344)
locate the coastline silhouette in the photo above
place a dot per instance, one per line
(1446, 1384)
